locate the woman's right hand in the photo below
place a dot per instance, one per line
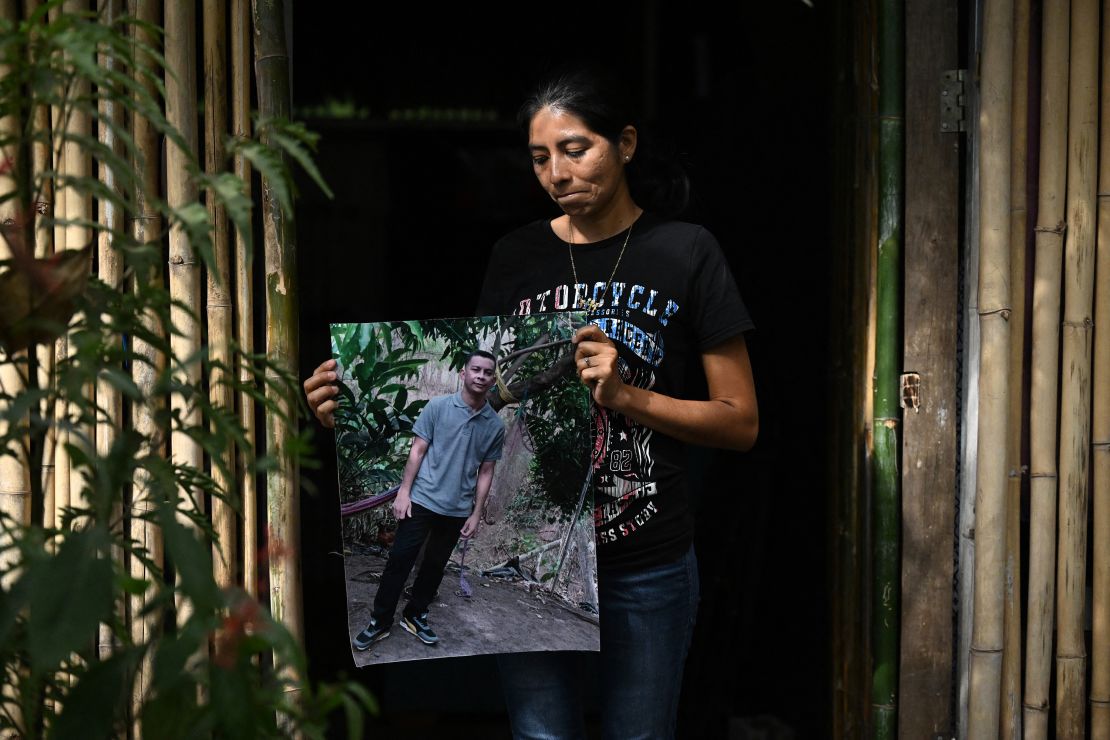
(320, 390)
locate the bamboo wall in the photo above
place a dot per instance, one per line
(217, 306)
(1044, 352)
(1027, 342)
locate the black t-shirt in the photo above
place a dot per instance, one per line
(672, 297)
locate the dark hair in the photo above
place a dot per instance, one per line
(657, 183)
(478, 353)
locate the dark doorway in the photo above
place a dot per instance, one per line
(415, 108)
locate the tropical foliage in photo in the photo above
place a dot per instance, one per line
(381, 370)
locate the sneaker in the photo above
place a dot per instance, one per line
(370, 635)
(419, 627)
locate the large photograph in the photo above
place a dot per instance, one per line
(465, 466)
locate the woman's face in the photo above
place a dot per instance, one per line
(581, 170)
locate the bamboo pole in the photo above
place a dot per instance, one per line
(78, 212)
(852, 160)
(887, 418)
(110, 268)
(282, 493)
(1010, 710)
(1075, 388)
(219, 282)
(244, 286)
(42, 162)
(994, 313)
(1100, 426)
(1049, 242)
(146, 228)
(854, 552)
(184, 271)
(15, 480)
(56, 438)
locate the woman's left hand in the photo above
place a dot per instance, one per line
(728, 418)
(595, 359)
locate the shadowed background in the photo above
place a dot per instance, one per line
(416, 114)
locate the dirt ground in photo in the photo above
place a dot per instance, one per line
(500, 617)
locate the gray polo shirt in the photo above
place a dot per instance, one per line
(459, 440)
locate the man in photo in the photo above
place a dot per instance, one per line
(443, 489)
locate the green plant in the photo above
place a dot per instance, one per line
(375, 417)
(209, 655)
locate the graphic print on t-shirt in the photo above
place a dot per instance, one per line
(622, 451)
(668, 264)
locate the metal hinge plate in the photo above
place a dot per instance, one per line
(952, 102)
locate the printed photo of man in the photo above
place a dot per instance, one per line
(446, 479)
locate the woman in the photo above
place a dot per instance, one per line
(659, 295)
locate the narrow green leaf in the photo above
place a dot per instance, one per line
(172, 712)
(130, 585)
(193, 218)
(273, 170)
(122, 382)
(12, 602)
(90, 707)
(232, 702)
(192, 561)
(229, 191)
(71, 594)
(294, 149)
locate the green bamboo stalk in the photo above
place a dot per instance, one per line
(282, 492)
(1075, 375)
(994, 312)
(887, 416)
(854, 33)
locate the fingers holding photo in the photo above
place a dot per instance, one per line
(593, 350)
(321, 391)
(595, 359)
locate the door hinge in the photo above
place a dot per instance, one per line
(952, 101)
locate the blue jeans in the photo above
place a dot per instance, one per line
(647, 621)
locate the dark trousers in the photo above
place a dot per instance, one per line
(442, 534)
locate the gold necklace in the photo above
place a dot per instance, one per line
(593, 305)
